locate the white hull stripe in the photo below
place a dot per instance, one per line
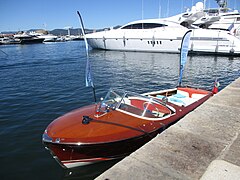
(83, 162)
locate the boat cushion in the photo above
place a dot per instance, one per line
(179, 96)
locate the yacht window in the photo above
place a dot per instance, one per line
(213, 11)
(230, 14)
(152, 25)
(143, 26)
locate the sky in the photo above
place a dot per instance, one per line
(20, 15)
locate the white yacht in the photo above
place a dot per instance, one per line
(165, 35)
(48, 37)
(45, 35)
(162, 35)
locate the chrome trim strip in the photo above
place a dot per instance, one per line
(46, 138)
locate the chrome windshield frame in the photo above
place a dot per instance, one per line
(115, 97)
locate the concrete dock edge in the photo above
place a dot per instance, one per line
(205, 144)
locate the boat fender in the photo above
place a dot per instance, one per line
(216, 48)
(161, 129)
(86, 120)
(104, 42)
(231, 51)
(124, 41)
(153, 41)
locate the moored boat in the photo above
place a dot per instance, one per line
(31, 40)
(165, 35)
(157, 35)
(118, 125)
(25, 38)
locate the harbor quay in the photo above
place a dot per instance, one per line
(205, 145)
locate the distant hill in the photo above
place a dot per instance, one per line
(57, 32)
(63, 32)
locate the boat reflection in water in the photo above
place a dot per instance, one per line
(118, 125)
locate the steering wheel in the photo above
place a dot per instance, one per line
(111, 104)
(145, 107)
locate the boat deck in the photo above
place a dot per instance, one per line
(205, 145)
(182, 98)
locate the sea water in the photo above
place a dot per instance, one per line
(41, 82)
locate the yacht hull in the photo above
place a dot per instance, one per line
(202, 41)
(31, 41)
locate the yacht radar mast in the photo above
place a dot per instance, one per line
(222, 3)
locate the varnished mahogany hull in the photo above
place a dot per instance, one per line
(79, 151)
(72, 155)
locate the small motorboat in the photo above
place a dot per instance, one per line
(120, 123)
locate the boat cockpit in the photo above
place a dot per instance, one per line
(134, 104)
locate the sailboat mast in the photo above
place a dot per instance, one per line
(159, 9)
(204, 4)
(168, 8)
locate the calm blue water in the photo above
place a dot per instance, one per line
(40, 82)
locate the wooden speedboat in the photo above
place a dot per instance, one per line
(118, 125)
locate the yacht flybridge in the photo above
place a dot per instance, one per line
(220, 18)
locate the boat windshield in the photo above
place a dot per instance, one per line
(113, 99)
(133, 103)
